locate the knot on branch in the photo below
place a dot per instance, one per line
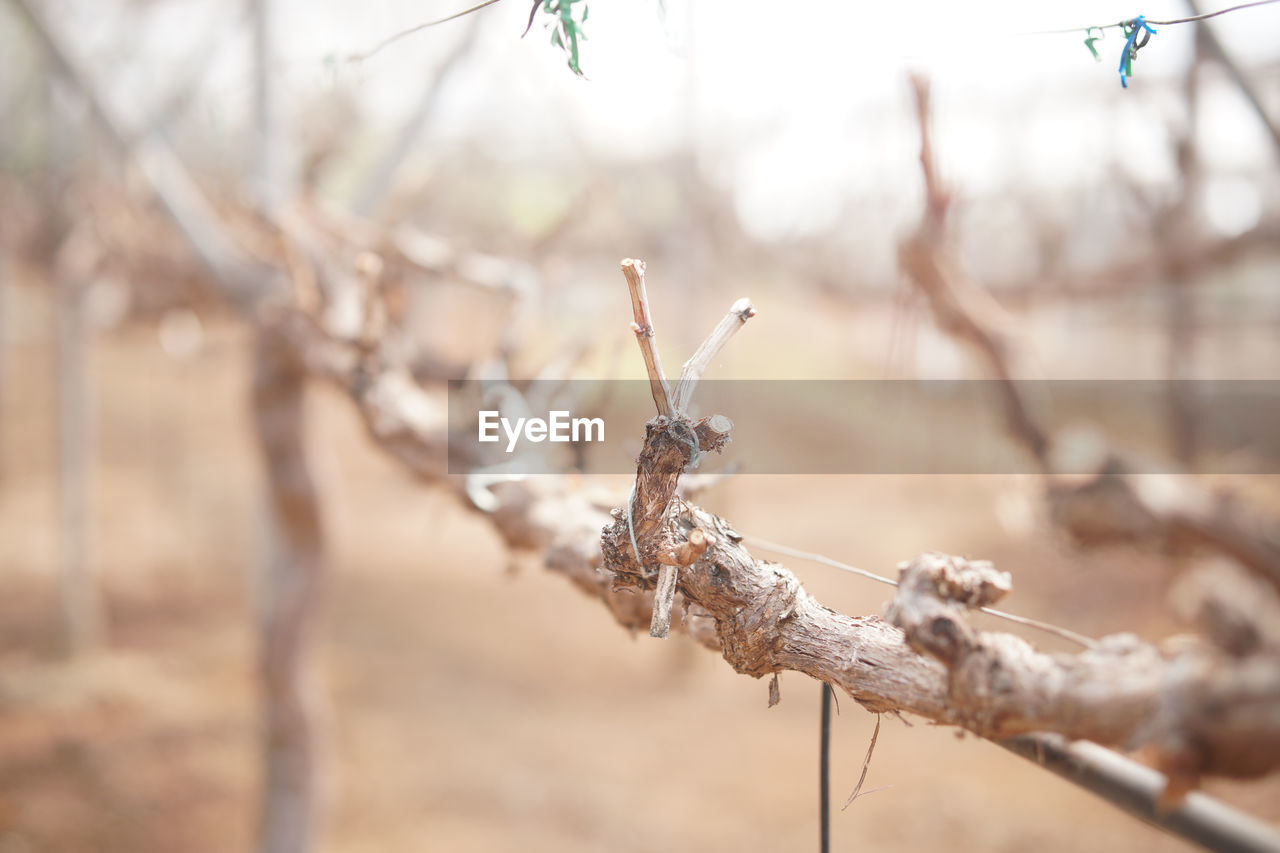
(750, 634)
(749, 601)
(641, 537)
(933, 591)
(673, 444)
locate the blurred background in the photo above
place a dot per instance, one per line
(466, 698)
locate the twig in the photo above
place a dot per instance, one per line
(682, 435)
(361, 57)
(937, 198)
(664, 594)
(866, 766)
(738, 315)
(633, 270)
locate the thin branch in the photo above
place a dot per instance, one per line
(866, 766)
(361, 57)
(633, 270)
(960, 309)
(740, 312)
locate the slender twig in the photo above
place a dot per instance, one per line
(1064, 633)
(740, 312)
(1170, 22)
(633, 269)
(361, 57)
(866, 767)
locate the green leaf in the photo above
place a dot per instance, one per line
(568, 30)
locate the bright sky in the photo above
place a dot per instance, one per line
(794, 105)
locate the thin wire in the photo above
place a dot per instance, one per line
(816, 558)
(360, 57)
(1064, 633)
(1192, 19)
